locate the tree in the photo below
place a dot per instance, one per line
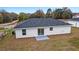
(57, 14)
(38, 14)
(67, 13)
(1, 18)
(23, 16)
(13, 16)
(64, 13)
(6, 16)
(32, 15)
(49, 13)
(65, 8)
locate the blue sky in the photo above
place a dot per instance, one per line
(33, 9)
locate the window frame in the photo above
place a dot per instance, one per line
(23, 31)
(51, 28)
(40, 31)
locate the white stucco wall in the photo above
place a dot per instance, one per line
(32, 32)
(74, 23)
(77, 24)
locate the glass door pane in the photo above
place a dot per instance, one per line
(40, 31)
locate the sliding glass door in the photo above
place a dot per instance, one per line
(41, 31)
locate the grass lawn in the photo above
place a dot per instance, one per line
(67, 42)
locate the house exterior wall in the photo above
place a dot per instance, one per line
(33, 32)
(76, 16)
(74, 23)
(78, 24)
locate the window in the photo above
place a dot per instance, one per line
(40, 31)
(51, 28)
(23, 31)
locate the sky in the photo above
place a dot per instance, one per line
(33, 9)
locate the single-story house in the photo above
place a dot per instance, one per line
(74, 22)
(34, 27)
(75, 15)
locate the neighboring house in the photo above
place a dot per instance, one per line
(40, 27)
(75, 15)
(74, 22)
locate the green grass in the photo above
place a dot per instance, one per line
(7, 36)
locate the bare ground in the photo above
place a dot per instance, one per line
(55, 43)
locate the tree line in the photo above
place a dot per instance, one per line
(60, 13)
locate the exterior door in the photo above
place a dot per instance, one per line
(41, 31)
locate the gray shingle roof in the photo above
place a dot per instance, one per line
(40, 22)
